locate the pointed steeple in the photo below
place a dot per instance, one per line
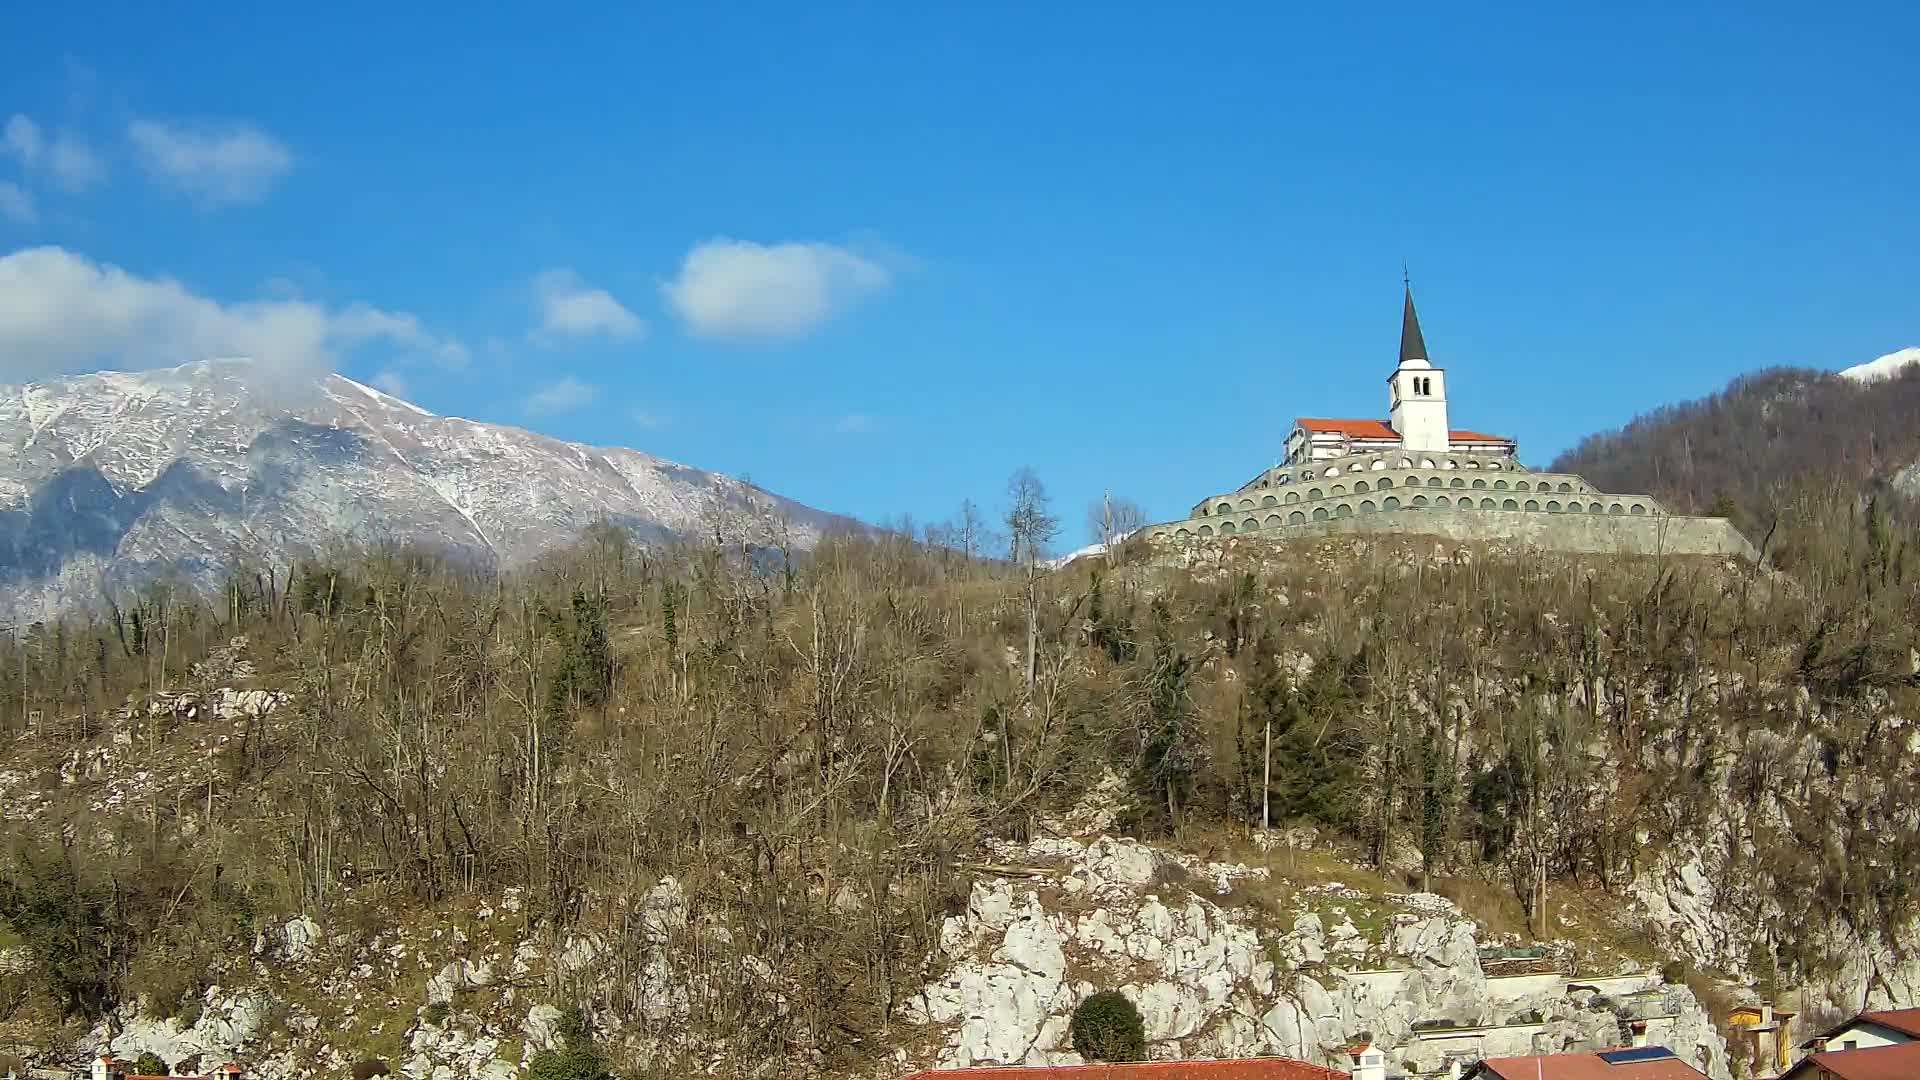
(1412, 345)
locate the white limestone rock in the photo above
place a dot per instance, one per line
(664, 910)
(227, 1024)
(541, 1029)
(1205, 979)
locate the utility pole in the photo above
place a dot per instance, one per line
(1266, 783)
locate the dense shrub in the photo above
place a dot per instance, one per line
(576, 1058)
(1107, 1027)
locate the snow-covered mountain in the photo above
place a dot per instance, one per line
(111, 480)
(1884, 368)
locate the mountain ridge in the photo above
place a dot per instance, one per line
(1884, 367)
(1748, 447)
(113, 479)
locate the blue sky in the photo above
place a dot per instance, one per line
(876, 258)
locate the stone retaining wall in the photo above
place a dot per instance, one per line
(1590, 533)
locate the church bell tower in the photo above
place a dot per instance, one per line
(1418, 411)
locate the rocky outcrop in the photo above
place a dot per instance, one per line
(227, 1027)
(476, 996)
(1225, 981)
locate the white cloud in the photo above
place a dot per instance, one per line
(231, 165)
(16, 204)
(569, 308)
(737, 289)
(358, 323)
(391, 382)
(61, 312)
(21, 138)
(73, 164)
(563, 395)
(68, 160)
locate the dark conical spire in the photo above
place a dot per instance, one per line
(1412, 345)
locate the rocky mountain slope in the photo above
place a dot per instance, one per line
(818, 822)
(1213, 975)
(111, 480)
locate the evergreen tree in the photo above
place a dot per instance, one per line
(1173, 748)
(1315, 744)
(583, 673)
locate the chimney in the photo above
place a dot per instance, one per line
(1369, 1062)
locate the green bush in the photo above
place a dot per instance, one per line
(149, 1064)
(1106, 1027)
(568, 1064)
(576, 1059)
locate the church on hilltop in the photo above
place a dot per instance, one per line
(1416, 414)
(1415, 473)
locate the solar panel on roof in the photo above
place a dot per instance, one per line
(1638, 1053)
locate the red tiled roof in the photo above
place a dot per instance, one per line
(1900, 1061)
(1224, 1069)
(1380, 429)
(1904, 1021)
(1355, 429)
(1586, 1067)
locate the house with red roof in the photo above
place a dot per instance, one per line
(1263, 1068)
(1878, 1027)
(1894, 1061)
(1630, 1063)
(107, 1067)
(1879, 1044)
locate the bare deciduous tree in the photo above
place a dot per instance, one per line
(1111, 519)
(1031, 525)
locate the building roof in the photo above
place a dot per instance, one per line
(1587, 1067)
(1380, 429)
(1412, 345)
(1269, 1068)
(1904, 1021)
(1901, 1061)
(1359, 429)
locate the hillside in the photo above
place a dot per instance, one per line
(1750, 445)
(755, 821)
(111, 481)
